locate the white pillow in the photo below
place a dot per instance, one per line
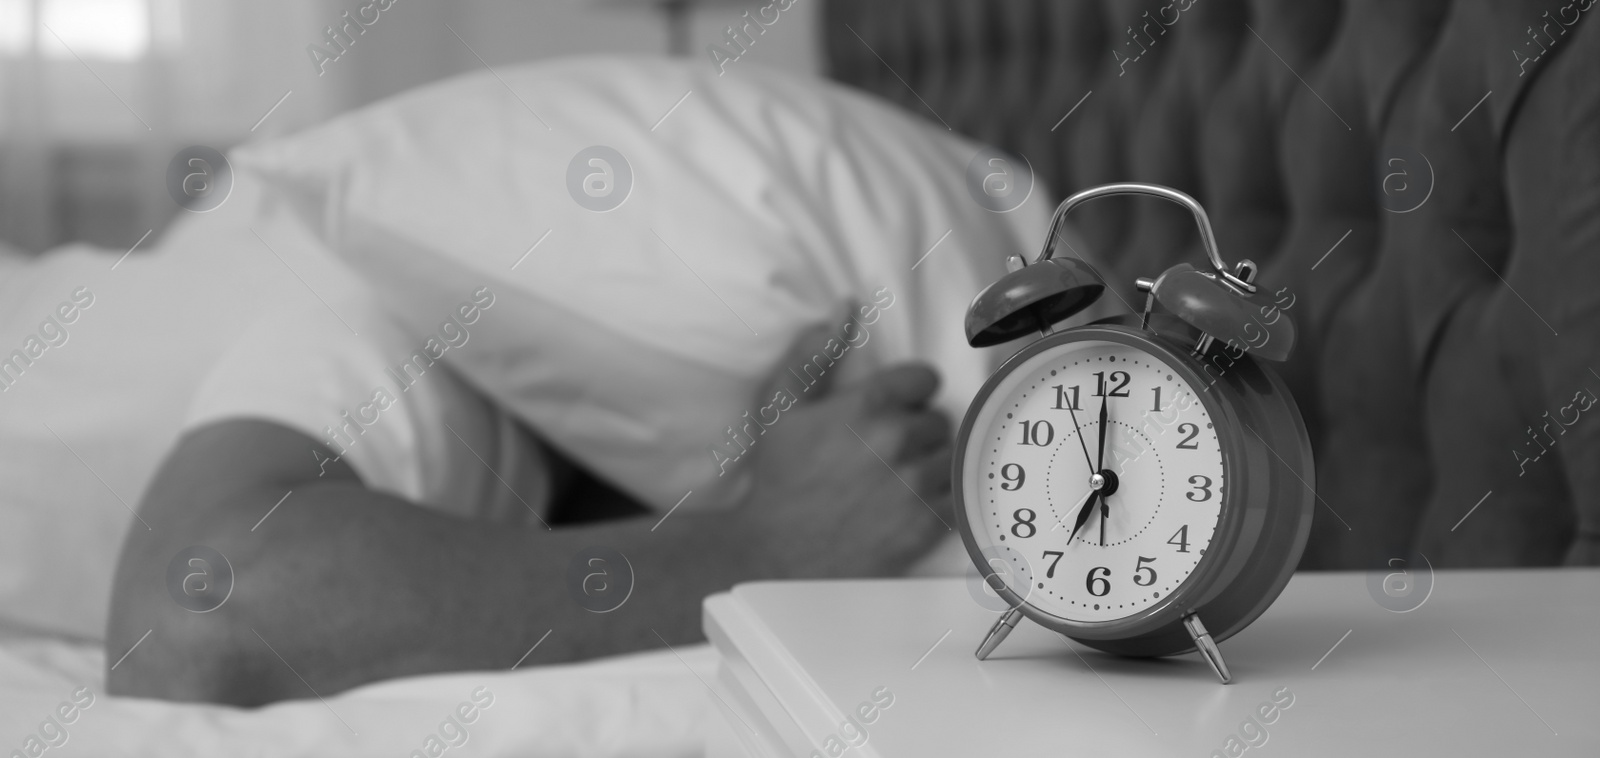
(635, 336)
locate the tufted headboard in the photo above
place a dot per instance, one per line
(1422, 178)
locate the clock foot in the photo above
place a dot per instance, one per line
(1003, 627)
(1207, 647)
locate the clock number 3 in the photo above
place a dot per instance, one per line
(1202, 485)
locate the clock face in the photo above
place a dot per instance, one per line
(1083, 535)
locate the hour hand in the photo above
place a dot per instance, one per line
(1083, 515)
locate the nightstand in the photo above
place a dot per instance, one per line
(1493, 663)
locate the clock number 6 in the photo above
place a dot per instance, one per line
(1202, 485)
(1097, 578)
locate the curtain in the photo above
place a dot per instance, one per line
(98, 96)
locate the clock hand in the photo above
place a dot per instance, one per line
(1102, 465)
(1083, 515)
(1078, 504)
(1105, 510)
(1079, 430)
(1096, 485)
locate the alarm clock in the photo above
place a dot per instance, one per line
(1142, 484)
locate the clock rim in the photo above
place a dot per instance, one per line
(1200, 585)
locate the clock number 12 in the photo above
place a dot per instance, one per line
(1120, 377)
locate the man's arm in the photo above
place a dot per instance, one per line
(342, 585)
(349, 585)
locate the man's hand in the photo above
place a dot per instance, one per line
(853, 480)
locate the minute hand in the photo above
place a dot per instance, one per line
(1102, 454)
(1105, 509)
(1079, 431)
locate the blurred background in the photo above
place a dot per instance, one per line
(1416, 180)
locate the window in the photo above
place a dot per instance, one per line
(94, 29)
(107, 29)
(15, 26)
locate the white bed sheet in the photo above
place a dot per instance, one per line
(647, 704)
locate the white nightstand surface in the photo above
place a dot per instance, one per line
(1495, 663)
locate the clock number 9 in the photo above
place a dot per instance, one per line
(1014, 476)
(1016, 529)
(1202, 485)
(1097, 579)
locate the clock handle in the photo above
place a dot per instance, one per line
(1002, 627)
(1208, 239)
(1207, 646)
